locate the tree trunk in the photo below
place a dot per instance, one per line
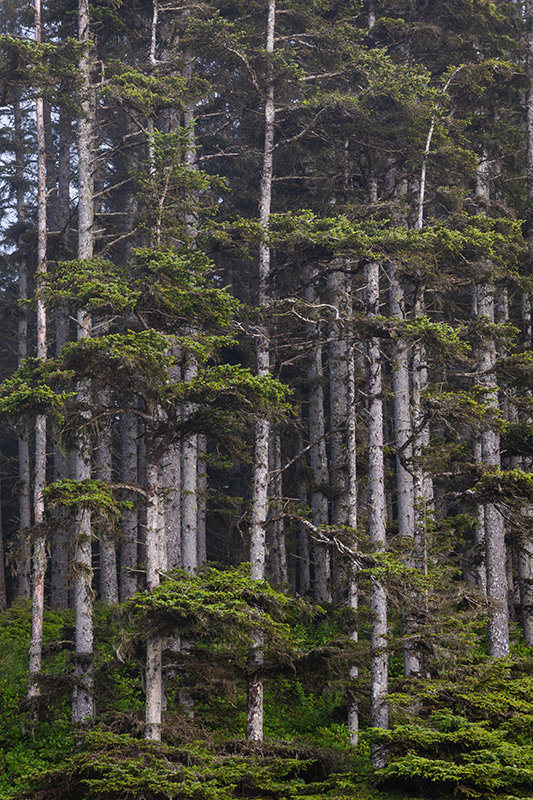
(104, 472)
(338, 378)
(254, 725)
(304, 571)
(39, 547)
(59, 545)
(480, 568)
(277, 556)
(353, 589)
(377, 512)
(494, 528)
(24, 566)
(318, 456)
(154, 678)
(171, 483)
(338, 403)
(202, 500)
(189, 484)
(404, 453)
(128, 552)
(82, 701)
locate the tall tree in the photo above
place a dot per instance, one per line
(82, 701)
(39, 548)
(254, 724)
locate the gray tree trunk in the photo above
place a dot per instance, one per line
(480, 569)
(377, 516)
(353, 589)
(128, 550)
(82, 701)
(494, 527)
(154, 677)
(338, 381)
(254, 718)
(304, 558)
(404, 454)
(59, 545)
(108, 550)
(63, 177)
(202, 500)
(171, 483)
(39, 547)
(24, 561)
(318, 456)
(277, 555)
(189, 485)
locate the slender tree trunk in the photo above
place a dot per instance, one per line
(171, 483)
(338, 379)
(494, 528)
(128, 550)
(189, 484)
(480, 566)
(377, 516)
(495, 556)
(154, 678)
(82, 701)
(104, 472)
(24, 566)
(404, 453)
(254, 725)
(277, 556)
(304, 571)
(59, 544)
(39, 547)
(318, 457)
(63, 178)
(51, 172)
(189, 515)
(353, 589)
(338, 403)
(202, 500)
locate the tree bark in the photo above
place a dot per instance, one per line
(202, 500)
(404, 453)
(494, 527)
(24, 562)
(108, 550)
(154, 677)
(82, 701)
(377, 516)
(189, 484)
(128, 550)
(254, 725)
(353, 588)
(39, 547)
(480, 568)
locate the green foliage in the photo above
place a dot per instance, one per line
(512, 487)
(31, 390)
(227, 602)
(50, 68)
(144, 93)
(95, 284)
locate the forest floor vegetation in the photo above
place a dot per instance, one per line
(465, 732)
